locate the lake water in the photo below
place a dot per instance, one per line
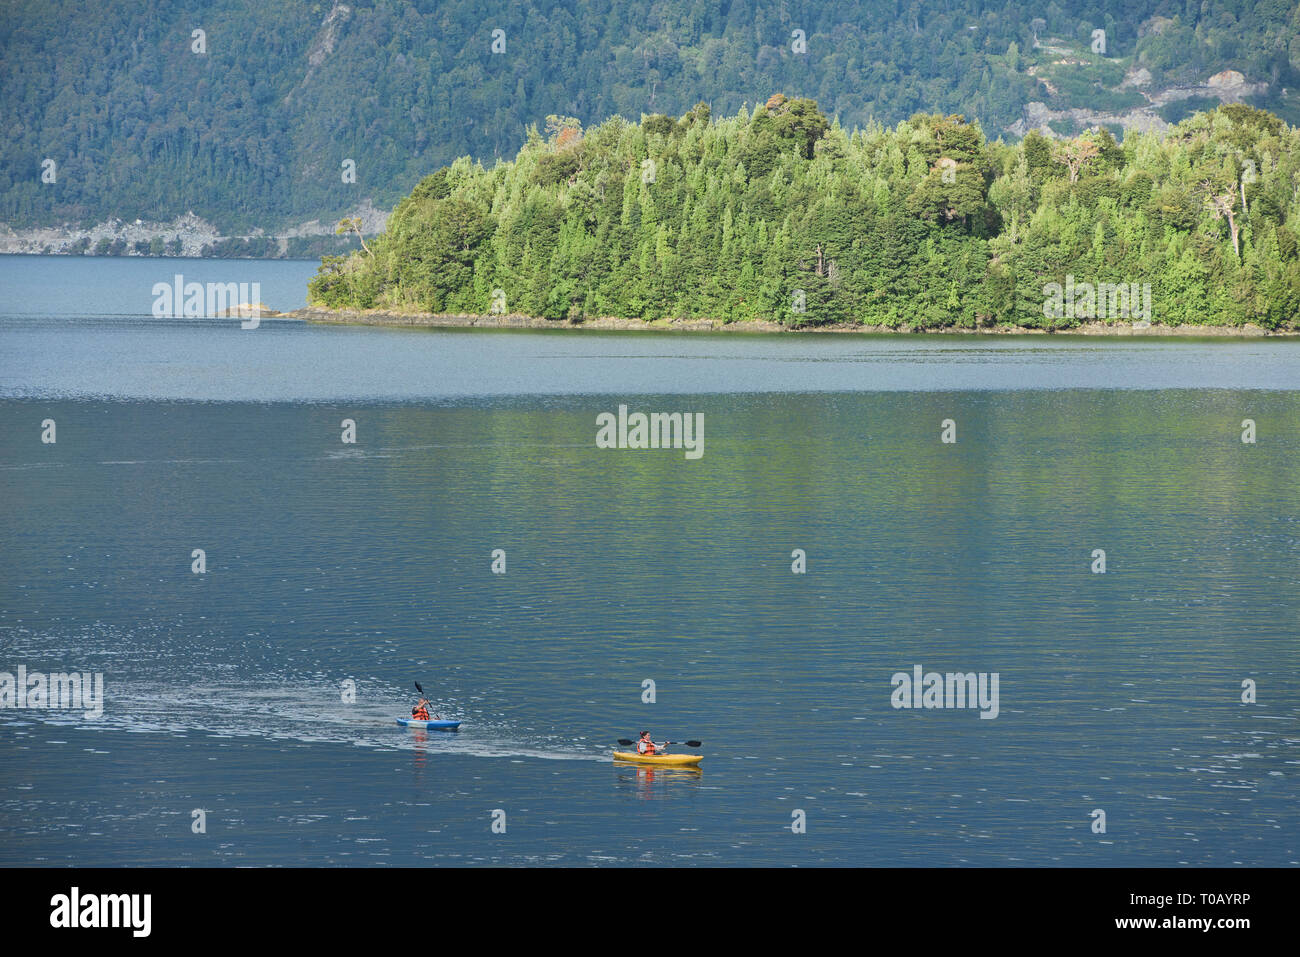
(372, 562)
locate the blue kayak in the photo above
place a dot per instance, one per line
(434, 725)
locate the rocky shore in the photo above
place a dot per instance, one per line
(187, 235)
(378, 317)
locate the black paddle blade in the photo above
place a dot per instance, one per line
(692, 744)
(625, 742)
(418, 688)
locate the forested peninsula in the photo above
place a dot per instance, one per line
(778, 216)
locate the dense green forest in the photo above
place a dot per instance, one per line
(254, 128)
(778, 213)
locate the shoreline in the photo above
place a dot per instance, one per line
(381, 317)
(184, 237)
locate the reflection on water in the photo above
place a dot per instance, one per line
(648, 782)
(291, 361)
(222, 690)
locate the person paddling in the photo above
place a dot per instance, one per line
(646, 746)
(421, 711)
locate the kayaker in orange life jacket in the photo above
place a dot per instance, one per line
(646, 746)
(421, 711)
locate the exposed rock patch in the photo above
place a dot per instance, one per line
(377, 317)
(184, 236)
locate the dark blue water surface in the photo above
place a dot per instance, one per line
(372, 562)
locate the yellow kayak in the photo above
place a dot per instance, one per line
(664, 760)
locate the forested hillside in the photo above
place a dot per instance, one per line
(251, 122)
(779, 214)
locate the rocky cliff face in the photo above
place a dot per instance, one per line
(187, 235)
(184, 236)
(1228, 86)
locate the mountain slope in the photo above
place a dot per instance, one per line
(255, 130)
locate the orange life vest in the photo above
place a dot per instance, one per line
(420, 714)
(645, 747)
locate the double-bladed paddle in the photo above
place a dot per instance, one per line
(690, 744)
(423, 695)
